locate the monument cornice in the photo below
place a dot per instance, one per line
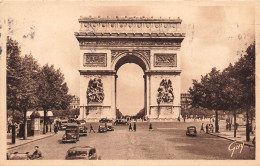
(163, 72)
(95, 72)
(135, 19)
(85, 35)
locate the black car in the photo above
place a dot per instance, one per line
(110, 127)
(105, 120)
(82, 153)
(191, 131)
(121, 122)
(102, 129)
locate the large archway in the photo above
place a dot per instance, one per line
(108, 43)
(130, 90)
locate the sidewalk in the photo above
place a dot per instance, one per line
(240, 136)
(21, 141)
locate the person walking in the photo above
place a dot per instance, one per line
(130, 127)
(202, 128)
(150, 127)
(91, 128)
(134, 126)
(207, 128)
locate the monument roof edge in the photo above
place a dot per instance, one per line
(128, 19)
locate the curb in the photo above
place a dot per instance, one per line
(30, 141)
(231, 139)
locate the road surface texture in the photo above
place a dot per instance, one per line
(167, 141)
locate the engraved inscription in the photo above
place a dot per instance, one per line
(95, 59)
(165, 60)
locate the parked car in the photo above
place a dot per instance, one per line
(110, 127)
(121, 122)
(71, 133)
(82, 153)
(191, 131)
(102, 129)
(105, 120)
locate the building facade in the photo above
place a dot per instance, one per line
(75, 103)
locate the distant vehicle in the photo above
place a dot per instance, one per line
(121, 122)
(81, 122)
(62, 124)
(82, 153)
(105, 120)
(191, 131)
(110, 127)
(71, 133)
(102, 129)
(83, 130)
(72, 120)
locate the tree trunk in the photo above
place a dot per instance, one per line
(247, 125)
(216, 122)
(235, 126)
(25, 124)
(44, 121)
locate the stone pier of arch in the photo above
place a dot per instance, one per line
(108, 43)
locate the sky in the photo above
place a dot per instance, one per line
(215, 36)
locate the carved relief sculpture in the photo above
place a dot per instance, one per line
(95, 91)
(165, 60)
(95, 59)
(165, 92)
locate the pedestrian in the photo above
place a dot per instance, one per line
(37, 153)
(55, 128)
(130, 127)
(9, 128)
(46, 128)
(184, 119)
(202, 128)
(179, 119)
(207, 128)
(106, 125)
(150, 127)
(91, 129)
(227, 126)
(134, 126)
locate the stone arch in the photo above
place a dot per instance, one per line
(140, 58)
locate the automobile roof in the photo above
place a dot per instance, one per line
(81, 148)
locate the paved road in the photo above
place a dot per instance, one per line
(166, 141)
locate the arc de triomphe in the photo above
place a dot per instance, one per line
(108, 43)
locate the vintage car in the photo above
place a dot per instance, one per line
(21, 156)
(110, 127)
(121, 122)
(82, 153)
(191, 131)
(71, 133)
(105, 120)
(102, 129)
(82, 130)
(62, 124)
(81, 122)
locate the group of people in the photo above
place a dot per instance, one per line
(130, 127)
(209, 127)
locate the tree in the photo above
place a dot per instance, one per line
(52, 91)
(14, 64)
(21, 80)
(207, 94)
(244, 72)
(232, 95)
